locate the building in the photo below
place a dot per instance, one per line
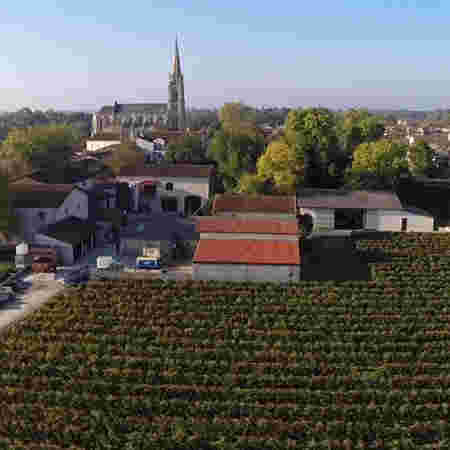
(255, 206)
(38, 205)
(177, 188)
(132, 120)
(241, 260)
(331, 209)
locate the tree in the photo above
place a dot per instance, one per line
(378, 164)
(237, 119)
(8, 219)
(420, 157)
(190, 149)
(41, 147)
(251, 183)
(236, 146)
(126, 154)
(282, 165)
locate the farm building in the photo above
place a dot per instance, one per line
(331, 209)
(255, 206)
(247, 260)
(227, 227)
(178, 188)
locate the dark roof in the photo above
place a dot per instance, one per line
(136, 108)
(254, 203)
(347, 199)
(247, 251)
(28, 193)
(216, 224)
(174, 170)
(71, 230)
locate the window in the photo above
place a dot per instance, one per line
(169, 186)
(79, 206)
(404, 223)
(66, 211)
(42, 215)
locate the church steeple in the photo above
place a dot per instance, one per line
(177, 110)
(176, 60)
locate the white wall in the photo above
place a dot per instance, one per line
(322, 217)
(274, 237)
(63, 249)
(144, 144)
(391, 220)
(92, 146)
(246, 272)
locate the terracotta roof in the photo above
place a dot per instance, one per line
(28, 193)
(175, 170)
(254, 203)
(247, 251)
(346, 199)
(215, 224)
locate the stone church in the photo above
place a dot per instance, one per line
(131, 120)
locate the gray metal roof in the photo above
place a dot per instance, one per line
(347, 199)
(136, 108)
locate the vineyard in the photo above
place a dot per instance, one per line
(137, 364)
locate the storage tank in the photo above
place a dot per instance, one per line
(23, 257)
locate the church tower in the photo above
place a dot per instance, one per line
(176, 106)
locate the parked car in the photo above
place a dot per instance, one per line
(43, 264)
(6, 294)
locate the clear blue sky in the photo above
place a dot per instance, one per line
(369, 53)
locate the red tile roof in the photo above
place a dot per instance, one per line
(175, 170)
(215, 224)
(254, 203)
(247, 251)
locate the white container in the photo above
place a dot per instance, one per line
(103, 262)
(22, 249)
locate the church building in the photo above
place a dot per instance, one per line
(130, 120)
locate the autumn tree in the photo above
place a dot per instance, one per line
(40, 147)
(378, 164)
(420, 156)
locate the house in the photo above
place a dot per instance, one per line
(38, 205)
(102, 141)
(255, 206)
(178, 188)
(345, 209)
(260, 260)
(72, 237)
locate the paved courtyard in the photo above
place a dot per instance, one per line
(159, 226)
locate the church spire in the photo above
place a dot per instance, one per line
(176, 61)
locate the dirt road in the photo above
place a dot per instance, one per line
(38, 291)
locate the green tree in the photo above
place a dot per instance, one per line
(251, 183)
(377, 165)
(190, 149)
(126, 154)
(420, 157)
(8, 219)
(237, 119)
(41, 147)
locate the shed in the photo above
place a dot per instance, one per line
(347, 209)
(247, 260)
(256, 206)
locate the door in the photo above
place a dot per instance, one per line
(404, 224)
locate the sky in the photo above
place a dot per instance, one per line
(81, 55)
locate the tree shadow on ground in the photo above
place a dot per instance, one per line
(332, 259)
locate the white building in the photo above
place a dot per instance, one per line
(177, 188)
(375, 210)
